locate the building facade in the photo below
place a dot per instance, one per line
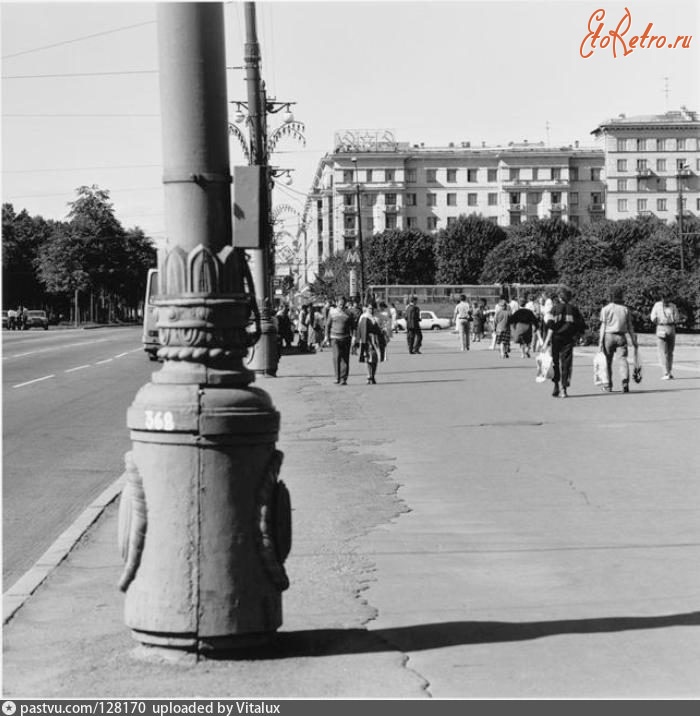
(652, 165)
(640, 166)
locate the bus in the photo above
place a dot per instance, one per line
(151, 344)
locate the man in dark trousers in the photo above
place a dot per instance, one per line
(340, 328)
(414, 335)
(563, 329)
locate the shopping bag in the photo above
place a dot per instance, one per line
(545, 368)
(637, 371)
(600, 369)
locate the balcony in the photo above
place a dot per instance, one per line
(391, 208)
(558, 207)
(645, 173)
(349, 233)
(515, 207)
(349, 209)
(596, 208)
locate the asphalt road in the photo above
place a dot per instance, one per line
(65, 395)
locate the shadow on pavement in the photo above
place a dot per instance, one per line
(333, 642)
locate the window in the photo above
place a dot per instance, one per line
(556, 197)
(697, 204)
(622, 184)
(641, 145)
(661, 205)
(452, 199)
(432, 223)
(660, 165)
(595, 174)
(411, 200)
(641, 204)
(369, 176)
(621, 145)
(390, 221)
(411, 222)
(556, 173)
(349, 199)
(680, 144)
(389, 175)
(471, 199)
(596, 197)
(349, 221)
(574, 220)
(493, 199)
(492, 174)
(431, 199)
(471, 175)
(515, 197)
(347, 176)
(431, 175)
(369, 223)
(573, 198)
(573, 173)
(681, 165)
(622, 204)
(514, 174)
(369, 199)
(390, 199)
(534, 173)
(349, 244)
(451, 220)
(514, 218)
(452, 175)
(641, 165)
(660, 145)
(621, 165)
(410, 175)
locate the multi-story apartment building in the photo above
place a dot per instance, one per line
(651, 164)
(403, 186)
(645, 165)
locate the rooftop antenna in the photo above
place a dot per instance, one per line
(546, 126)
(666, 91)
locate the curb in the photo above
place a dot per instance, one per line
(15, 597)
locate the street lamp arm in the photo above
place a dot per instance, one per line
(290, 129)
(236, 132)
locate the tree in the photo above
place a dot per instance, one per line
(22, 235)
(460, 249)
(399, 256)
(548, 233)
(622, 235)
(333, 278)
(580, 254)
(518, 260)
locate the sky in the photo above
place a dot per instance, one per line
(81, 105)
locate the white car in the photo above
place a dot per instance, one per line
(428, 322)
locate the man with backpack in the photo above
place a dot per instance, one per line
(564, 327)
(414, 334)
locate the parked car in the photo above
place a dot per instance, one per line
(37, 319)
(428, 322)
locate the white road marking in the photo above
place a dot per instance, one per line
(106, 360)
(121, 355)
(80, 367)
(56, 347)
(36, 380)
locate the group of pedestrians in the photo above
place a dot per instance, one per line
(17, 319)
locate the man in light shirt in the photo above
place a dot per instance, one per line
(615, 326)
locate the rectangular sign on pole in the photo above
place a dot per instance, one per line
(248, 222)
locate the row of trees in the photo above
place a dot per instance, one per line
(642, 254)
(46, 263)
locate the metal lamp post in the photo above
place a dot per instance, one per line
(682, 171)
(359, 229)
(204, 521)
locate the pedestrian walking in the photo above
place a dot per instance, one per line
(339, 331)
(563, 329)
(478, 320)
(462, 317)
(523, 322)
(414, 334)
(665, 316)
(303, 329)
(370, 338)
(383, 315)
(394, 316)
(285, 334)
(11, 319)
(501, 328)
(615, 326)
(316, 329)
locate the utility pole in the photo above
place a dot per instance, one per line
(265, 359)
(204, 521)
(681, 169)
(359, 230)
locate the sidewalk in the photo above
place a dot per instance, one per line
(458, 533)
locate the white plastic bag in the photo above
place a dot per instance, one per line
(600, 369)
(545, 368)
